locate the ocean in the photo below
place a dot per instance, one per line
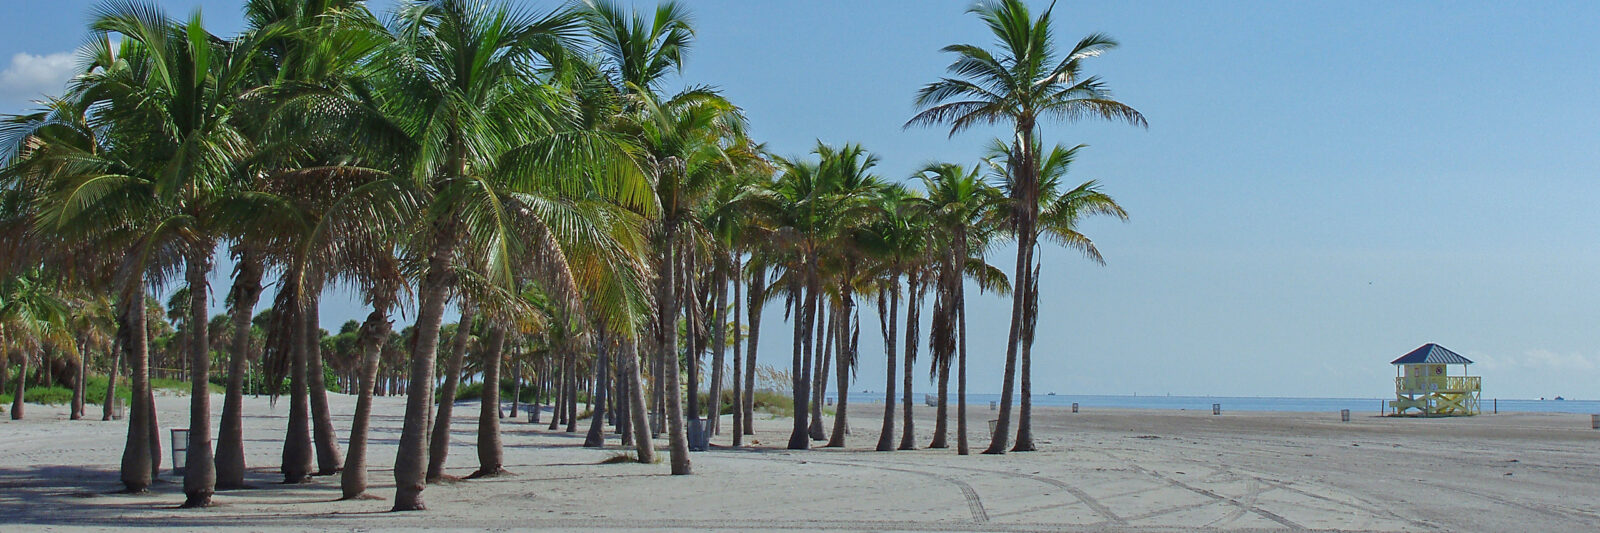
(1248, 403)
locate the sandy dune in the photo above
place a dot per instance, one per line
(1102, 470)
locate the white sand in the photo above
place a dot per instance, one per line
(1100, 470)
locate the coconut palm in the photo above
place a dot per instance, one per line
(1020, 83)
(1060, 210)
(33, 316)
(960, 205)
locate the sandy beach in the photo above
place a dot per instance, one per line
(1100, 470)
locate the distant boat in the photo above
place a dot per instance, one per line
(1560, 399)
(1051, 394)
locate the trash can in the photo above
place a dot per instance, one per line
(1344, 415)
(1216, 408)
(992, 423)
(1074, 407)
(699, 438)
(180, 450)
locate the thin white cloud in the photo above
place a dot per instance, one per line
(30, 76)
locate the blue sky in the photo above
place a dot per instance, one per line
(1323, 187)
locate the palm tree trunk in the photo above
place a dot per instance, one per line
(890, 335)
(669, 356)
(738, 351)
(21, 389)
(1026, 209)
(961, 367)
(819, 370)
(329, 459)
(200, 471)
(113, 371)
(137, 468)
(558, 390)
(758, 291)
(516, 384)
(76, 406)
(692, 335)
(939, 352)
(353, 480)
(841, 424)
(572, 392)
(644, 449)
(1025, 413)
(491, 455)
(410, 463)
(298, 451)
(596, 438)
(908, 434)
(439, 445)
(230, 443)
(799, 438)
(719, 347)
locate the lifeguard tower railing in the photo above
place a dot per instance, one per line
(1424, 384)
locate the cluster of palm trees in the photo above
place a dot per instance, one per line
(530, 171)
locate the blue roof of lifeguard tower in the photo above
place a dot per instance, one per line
(1431, 354)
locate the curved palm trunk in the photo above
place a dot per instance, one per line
(410, 463)
(669, 355)
(908, 434)
(644, 449)
(439, 447)
(1025, 413)
(890, 335)
(353, 479)
(491, 455)
(329, 459)
(200, 471)
(758, 290)
(230, 442)
(596, 437)
(137, 467)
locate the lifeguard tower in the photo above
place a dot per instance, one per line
(1423, 383)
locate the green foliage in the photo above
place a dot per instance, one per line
(475, 390)
(772, 402)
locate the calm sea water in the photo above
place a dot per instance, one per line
(1203, 403)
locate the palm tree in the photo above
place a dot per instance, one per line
(1020, 83)
(457, 90)
(1060, 211)
(960, 205)
(32, 316)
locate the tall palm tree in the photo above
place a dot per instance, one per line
(1021, 82)
(1060, 211)
(960, 205)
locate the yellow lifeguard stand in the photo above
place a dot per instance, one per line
(1423, 382)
